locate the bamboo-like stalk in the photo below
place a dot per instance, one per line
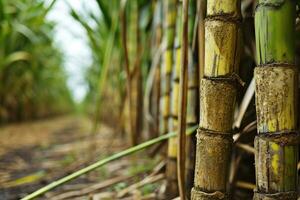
(201, 10)
(138, 122)
(160, 32)
(127, 67)
(167, 60)
(132, 51)
(276, 78)
(135, 69)
(217, 100)
(183, 101)
(173, 20)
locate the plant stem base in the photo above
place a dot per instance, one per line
(277, 196)
(200, 195)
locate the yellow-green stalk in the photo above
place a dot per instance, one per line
(218, 89)
(276, 81)
(167, 61)
(174, 13)
(136, 77)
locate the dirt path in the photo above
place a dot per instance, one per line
(34, 154)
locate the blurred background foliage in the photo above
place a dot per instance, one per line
(106, 76)
(32, 77)
(33, 80)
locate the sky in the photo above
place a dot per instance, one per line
(70, 37)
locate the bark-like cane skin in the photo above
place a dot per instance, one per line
(215, 151)
(218, 91)
(217, 99)
(276, 80)
(198, 194)
(276, 158)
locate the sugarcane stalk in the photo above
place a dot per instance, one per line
(183, 101)
(173, 27)
(158, 81)
(276, 80)
(127, 68)
(167, 60)
(218, 89)
(201, 12)
(132, 55)
(139, 78)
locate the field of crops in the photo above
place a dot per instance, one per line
(149, 99)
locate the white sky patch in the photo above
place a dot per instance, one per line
(71, 38)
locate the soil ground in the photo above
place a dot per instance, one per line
(33, 154)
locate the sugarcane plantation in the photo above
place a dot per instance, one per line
(149, 99)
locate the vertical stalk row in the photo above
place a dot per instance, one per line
(276, 80)
(172, 186)
(218, 90)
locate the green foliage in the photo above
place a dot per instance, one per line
(68, 159)
(105, 76)
(142, 167)
(149, 188)
(103, 172)
(104, 48)
(32, 80)
(120, 186)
